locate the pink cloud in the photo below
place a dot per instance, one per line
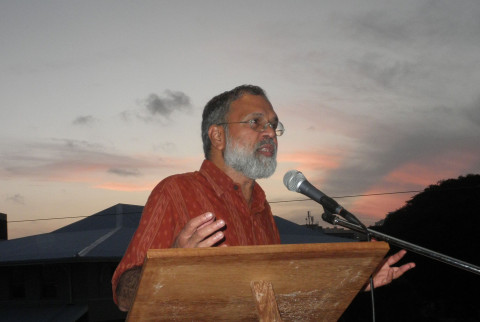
(379, 206)
(412, 176)
(431, 170)
(125, 186)
(313, 160)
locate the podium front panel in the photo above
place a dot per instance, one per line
(311, 282)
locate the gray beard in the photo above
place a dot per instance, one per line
(247, 162)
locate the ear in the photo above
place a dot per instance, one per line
(216, 133)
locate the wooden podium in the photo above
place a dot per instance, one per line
(305, 282)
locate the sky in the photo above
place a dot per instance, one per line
(100, 100)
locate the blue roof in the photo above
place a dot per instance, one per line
(106, 235)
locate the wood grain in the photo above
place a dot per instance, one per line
(265, 302)
(312, 282)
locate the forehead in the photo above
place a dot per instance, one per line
(251, 104)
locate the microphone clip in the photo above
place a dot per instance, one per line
(329, 217)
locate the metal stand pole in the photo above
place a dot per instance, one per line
(335, 220)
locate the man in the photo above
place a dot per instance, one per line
(220, 205)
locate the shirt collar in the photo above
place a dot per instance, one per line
(221, 183)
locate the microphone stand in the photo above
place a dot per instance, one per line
(335, 220)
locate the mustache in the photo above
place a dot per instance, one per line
(268, 141)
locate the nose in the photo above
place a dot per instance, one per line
(269, 131)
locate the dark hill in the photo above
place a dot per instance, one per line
(444, 218)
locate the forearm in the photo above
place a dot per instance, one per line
(126, 288)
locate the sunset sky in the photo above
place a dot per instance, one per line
(100, 100)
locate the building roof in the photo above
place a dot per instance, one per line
(291, 233)
(106, 235)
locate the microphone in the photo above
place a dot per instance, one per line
(294, 180)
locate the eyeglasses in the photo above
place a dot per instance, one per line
(260, 124)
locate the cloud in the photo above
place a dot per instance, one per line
(167, 147)
(67, 160)
(84, 120)
(379, 26)
(424, 162)
(472, 112)
(384, 71)
(414, 23)
(394, 149)
(164, 106)
(415, 174)
(117, 186)
(315, 161)
(159, 108)
(396, 96)
(434, 168)
(124, 172)
(378, 206)
(17, 198)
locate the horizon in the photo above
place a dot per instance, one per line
(273, 204)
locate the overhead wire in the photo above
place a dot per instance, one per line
(271, 202)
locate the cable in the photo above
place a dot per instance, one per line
(372, 298)
(353, 196)
(75, 217)
(271, 202)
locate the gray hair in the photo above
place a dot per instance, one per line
(217, 109)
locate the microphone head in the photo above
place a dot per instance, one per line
(293, 179)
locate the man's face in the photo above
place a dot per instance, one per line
(247, 151)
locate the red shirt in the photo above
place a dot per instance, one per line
(179, 198)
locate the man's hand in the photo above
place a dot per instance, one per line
(387, 273)
(201, 231)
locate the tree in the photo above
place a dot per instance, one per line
(444, 218)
